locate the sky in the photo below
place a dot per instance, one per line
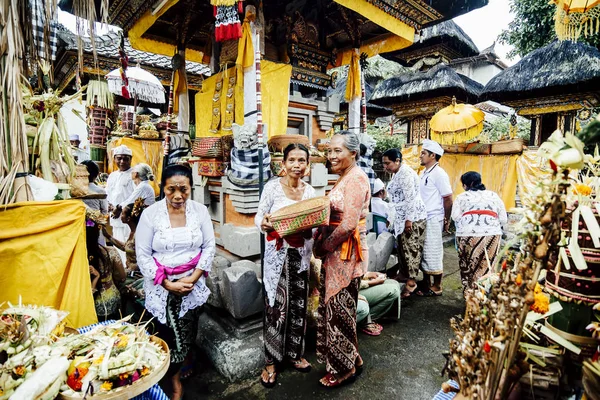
(486, 23)
(482, 25)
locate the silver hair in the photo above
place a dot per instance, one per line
(351, 142)
(144, 172)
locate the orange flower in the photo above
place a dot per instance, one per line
(145, 371)
(541, 303)
(519, 280)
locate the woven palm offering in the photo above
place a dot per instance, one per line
(303, 215)
(280, 142)
(79, 183)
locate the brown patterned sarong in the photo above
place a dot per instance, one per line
(337, 345)
(285, 322)
(410, 249)
(472, 258)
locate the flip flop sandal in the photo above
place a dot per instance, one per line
(268, 384)
(408, 291)
(428, 293)
(372, 329)
(295, 364)
(333, 382)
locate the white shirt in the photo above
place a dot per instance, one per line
(154, 238)
(478, 224)
(435, 185)
(80, 154)
(119, 187)
(404, 194)
(97, 204)
(143, 190)
(273, 198)
(381, 208)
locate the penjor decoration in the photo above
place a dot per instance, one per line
(227, 20)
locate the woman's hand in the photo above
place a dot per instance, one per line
(408, 226)
(105, 232)
(179, 288)
(193, 278)
(94, 272)
(266, 225)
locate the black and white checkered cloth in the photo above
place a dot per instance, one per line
(179, 146)
(244, 167)
(38, 22)
(365, 164)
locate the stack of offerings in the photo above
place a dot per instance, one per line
(211, 155)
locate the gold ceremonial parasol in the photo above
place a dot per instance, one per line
(456, 123)
(576, 17)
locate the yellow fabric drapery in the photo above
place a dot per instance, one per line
(576, 17)
(379, 45)
(275, 98)
(150, 152)
(44, 257)
(531, 169)
(154, 46)
(245, 57)
(179, 86)
(353, 89)
(405, 33)
(498, 172)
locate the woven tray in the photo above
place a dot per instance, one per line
(303, 215)
(280, 142)
(479, 148)
(208, 147)
(136, 388)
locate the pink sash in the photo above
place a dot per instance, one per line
(163, 271)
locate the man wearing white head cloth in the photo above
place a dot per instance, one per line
(78, 153)
(436, 193)
(119, 187)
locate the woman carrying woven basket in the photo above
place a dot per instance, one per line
(343, 247)
(286, 263)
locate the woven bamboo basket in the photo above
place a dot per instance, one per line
(80, 182)
(303, 215)
(280, 142)
(454, 148)
(99, 122)
(479, 148)
(512, 146)
(136, 388)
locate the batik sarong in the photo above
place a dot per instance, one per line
(433, 249)
(337, 345)
(475, 257)
(285, 322)
(410, 249)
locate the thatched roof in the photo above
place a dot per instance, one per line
(415, 85)
(559, 68)
(448, 30)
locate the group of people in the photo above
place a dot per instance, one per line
(171, 243)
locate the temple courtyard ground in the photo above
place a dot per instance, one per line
(403, 363)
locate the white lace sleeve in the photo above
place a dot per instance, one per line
(266, 203)
(144, 235)
(208, 241)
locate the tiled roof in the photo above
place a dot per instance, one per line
(107, 45)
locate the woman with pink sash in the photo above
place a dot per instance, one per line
(175, 246)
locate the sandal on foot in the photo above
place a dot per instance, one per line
(425, 293)
(408, 291)
(359, 367)
(330, 381)
(372, 329)
(268, 384)
(296, 365)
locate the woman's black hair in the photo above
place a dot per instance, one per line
(94, 250)
(176, 170)
(472, 180)
(93, 169)
(295, 146)
(392, 155)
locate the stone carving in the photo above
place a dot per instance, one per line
(244, 136)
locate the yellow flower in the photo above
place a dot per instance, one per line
(541, 303)
(123, 376)
(106, 386)
(145, 371)
(583, 189)
(99, 360)
(123, 340)
(519, 280)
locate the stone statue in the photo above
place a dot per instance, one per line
(244, 136)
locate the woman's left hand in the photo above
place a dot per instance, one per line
(193, 278)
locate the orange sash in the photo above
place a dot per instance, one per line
(352, 240)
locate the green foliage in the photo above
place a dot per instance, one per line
(498, 128)
(384, 140)
(533, 27)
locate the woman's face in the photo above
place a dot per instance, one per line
(389, 165)
(296, 163)
(125, 214)
(177, 190)
(339, 156)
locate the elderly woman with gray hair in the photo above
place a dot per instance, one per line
(343, 247)
(141, 175)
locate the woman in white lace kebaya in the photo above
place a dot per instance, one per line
(175, 246)
(479, 215)
(286, 264)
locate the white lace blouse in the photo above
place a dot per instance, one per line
(478, 224)
(273, 198)
(154, 238)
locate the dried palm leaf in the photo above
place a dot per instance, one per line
(99, 95)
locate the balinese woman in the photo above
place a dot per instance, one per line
(175, 246)
(343, 247)
(479, 215)
(141, 175)
(286, 265)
